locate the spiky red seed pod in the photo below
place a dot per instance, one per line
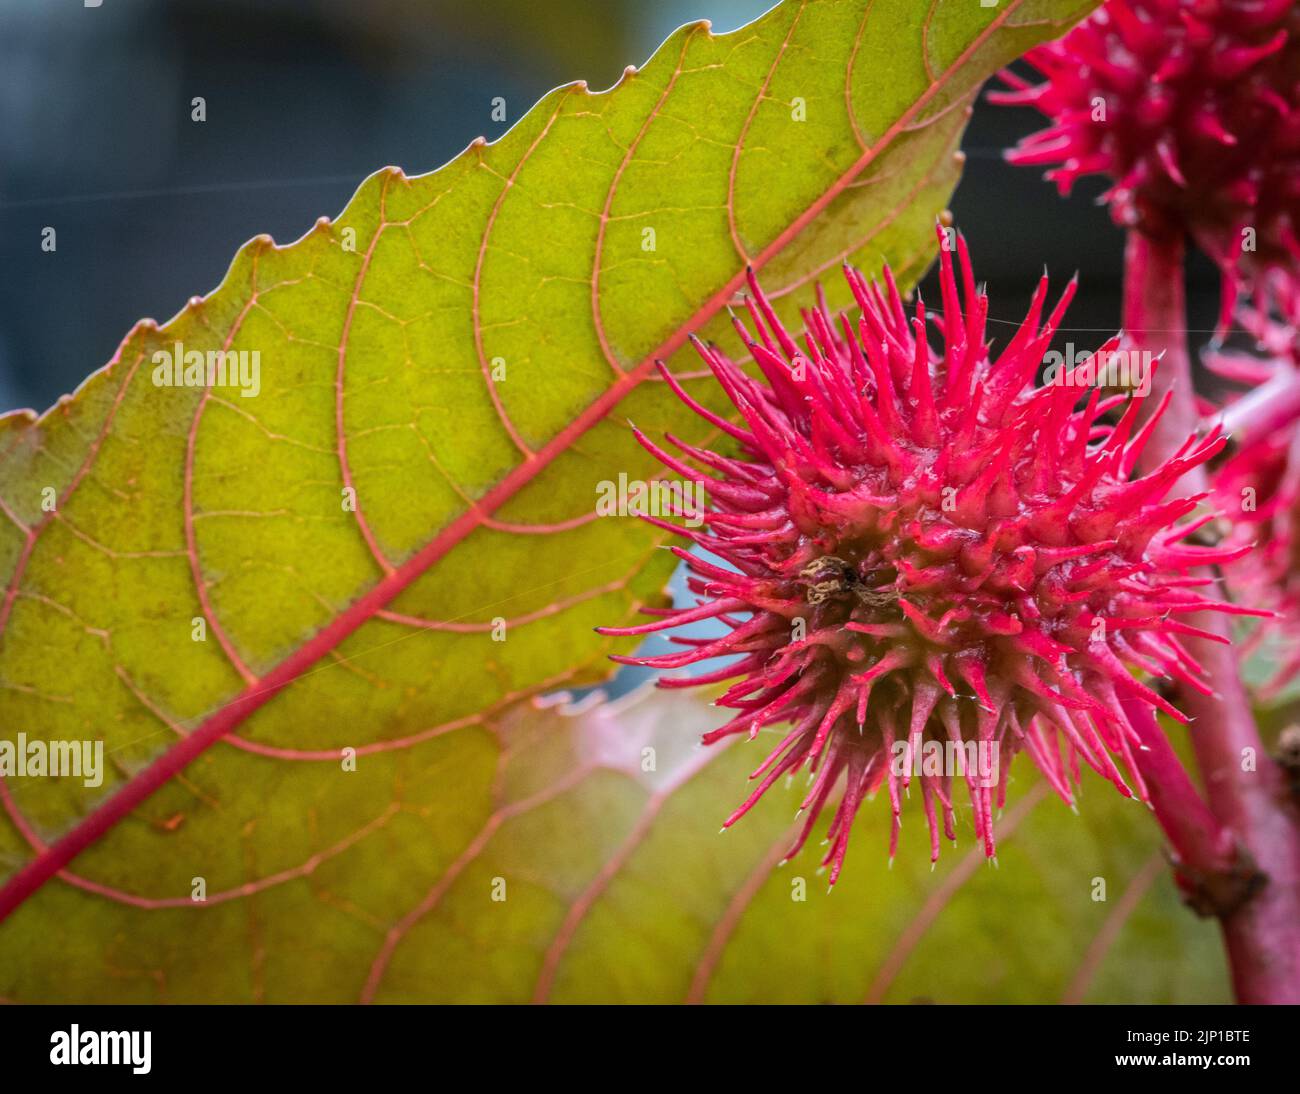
(969, 556)
(1191, 107)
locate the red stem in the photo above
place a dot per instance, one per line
(1201, 845)
(1268, 407)
(1245, 788)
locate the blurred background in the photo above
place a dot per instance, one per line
(304, 98)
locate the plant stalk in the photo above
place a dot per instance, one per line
(1268, 407)
(1245, 789)
(1201, 846)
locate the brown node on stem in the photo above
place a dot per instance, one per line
(1218, 894)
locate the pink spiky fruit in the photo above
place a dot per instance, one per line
(912, 547)
(1191, 108)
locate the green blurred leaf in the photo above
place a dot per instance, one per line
(581, 862)
(618, 888)
(458, 353)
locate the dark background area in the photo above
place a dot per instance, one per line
(305, 98)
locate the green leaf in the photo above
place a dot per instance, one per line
(582, 862)
(618, 888)
(230, 592)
